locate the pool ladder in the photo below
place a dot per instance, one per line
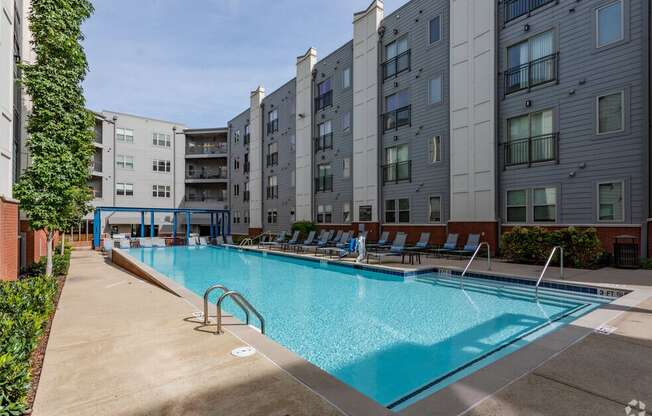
(561, 267)
(477, 250)
(238, 299)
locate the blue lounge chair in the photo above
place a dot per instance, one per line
(382, 241)
(323, 241)
(294, 240)
(344, 241)
(280, 238)
(397, 249)
(449, 245)
(472, 243)
(229, 240)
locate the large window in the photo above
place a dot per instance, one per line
(346, 78)
(124, 135)
(611, 201)
(272, 124)
(161, 165)
(161, 191)
(324, 214)
(530, 139)
(365, 213)
(517, 206)
(272, 216)
(397, 164)
(161, 140)
(434, 207)
(397, 58)
(397, 211)
(247, 134)
(272, 187)
(434, 29)
(530, 63)
(397, 110)
(545, 204)
(272, 154)
(346, 212)
(434, 91)
(611, 112)
(325, 139)
(124, 161)
(346, 121)
(609, 24)
(346, 167)
(324, 181)
(124, 189)
(325, 97)
(434, 149)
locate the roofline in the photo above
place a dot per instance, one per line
(208, 130)
(374, 4)
(334, 52)
(143, 117)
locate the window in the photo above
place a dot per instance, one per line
(236, 136)
(611, 201)
(609, 24)
(397, 165)
(124, 135)
(236, 190)
(397, 110)
(346, 78)
(346, 121)
(325, 97)
(293, 143)
(530, 139)
(346, 212)
(293, 179)
(434, 149)
(517, 206)
(236, 217)
(272, 124)
(434, 91)
(236, 163)
(161, 165)
(293, 217)
(324, 181)
(245, 197)
(161, 191)
(272, 216)
(397, 211)
(124, 189)
(434, 207)
(325, 139)
(530, 63)
(161, 140)
(397, 58)
(545, 204)
(124, 162)
(346, 167)
(272, 187)
(611, 115)
(272, 154)
(325, 214)
(434, 28)
(247, 135)
(364, 213)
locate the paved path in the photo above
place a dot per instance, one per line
(120, 346)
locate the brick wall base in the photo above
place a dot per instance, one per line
(437, 232)
(9, 243)
(488, 231)
(253, 232)
(36, 243)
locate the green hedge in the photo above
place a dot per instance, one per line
(60, 263)
(532, 245)
(25, 307)
(304, 227)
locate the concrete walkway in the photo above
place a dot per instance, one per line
(120, 346)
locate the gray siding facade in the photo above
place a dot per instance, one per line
(239, 150)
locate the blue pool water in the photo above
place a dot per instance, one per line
(394, 339)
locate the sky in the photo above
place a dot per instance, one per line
(194, 62)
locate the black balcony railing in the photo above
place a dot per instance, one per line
(518, 8)
(324, 183)
(96, 166)
(245, 167)
(531, 74)
(397, 172)
(272, 192)
(206, 197)
(526, 151)
(247, 138)
(208, 173)
(324, 142)
(272, 159)
(272, 126)
(394, 119)
(396, 65)
(97, 193)
(324, 100)
(207, 149)
(245, 196)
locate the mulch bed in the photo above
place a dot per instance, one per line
(38, 355)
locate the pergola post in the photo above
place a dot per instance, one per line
(228, 223)
(211, 232)
(188, 221)
(151, 223)
(142, 223)
(97, 219)
(174, 225)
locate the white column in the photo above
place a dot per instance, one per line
(304, 116)
(365, 108)
(472, 110)
(256, 159)
(6, 96)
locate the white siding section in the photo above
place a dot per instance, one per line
(256, 159)
(365, 108)
(6, 95)
(472, 86)
(305, 65)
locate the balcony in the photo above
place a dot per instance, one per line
(518, 8)
(272, 159)
(397, 172)
(96, 167)
(245, 196)
(246, 166)
(272, 192)
(531, 150)
(207, 175)
(324, 183)
(531, 74)
(206, 197)
(396, 65)
(97, 193)
(272, 126)
(324, 100)
(247, 139)
(204, 151)
(324, 142)
(392, 120)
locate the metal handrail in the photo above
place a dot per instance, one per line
(244, 304)
(208, 291)
(250, 240)
(561, 267)
(477, 250)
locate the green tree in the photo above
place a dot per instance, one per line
(54, 190)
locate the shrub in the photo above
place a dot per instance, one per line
(532, 245)
(304, 227)
(25, 307)
(60, 264)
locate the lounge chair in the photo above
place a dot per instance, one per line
(422, 244)
(308, 241)
(280, 238)
(229, 240)
(337, 238)
(323, 241)
(472, 243)
(397, 249)
(107, 245)
(203, 241)
(344, 240)
(449, 245)
(192, 241)
(382, 241)
(145, 242)
(219, 240)
(294, 240)
(124, 243)
(158, 242)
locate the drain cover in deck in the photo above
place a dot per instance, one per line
(242, 352)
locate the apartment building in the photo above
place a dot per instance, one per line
(537, 113)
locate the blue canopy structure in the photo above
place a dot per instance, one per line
(220, 220)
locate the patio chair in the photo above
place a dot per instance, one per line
(203, 241)
(323, 241)
(449, 245)
(280, 238)
(294, 240)
(397, 249)
(124, 243)
(229, 240)
(472, 243)
(145, 242)
(219, 240)
(192, 241)
(107, 245)
(422, 244)
(337, 238)
(344, 240)
(158, 242)
(382, 241)
(308, 241)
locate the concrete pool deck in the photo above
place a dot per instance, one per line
(121, 346)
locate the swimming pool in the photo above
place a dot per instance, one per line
(394, 338)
